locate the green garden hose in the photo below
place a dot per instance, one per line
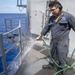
(63, 67)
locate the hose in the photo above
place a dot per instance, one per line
(63, 67)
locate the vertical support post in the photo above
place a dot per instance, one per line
(11, 24)
(42, 20)
(47, 12)
(20, 46)
(20, 2)
(3, 54)
(5, 26)
(28, 17)
(17, 2)
(11, 32)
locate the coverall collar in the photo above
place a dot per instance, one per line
(62, 14)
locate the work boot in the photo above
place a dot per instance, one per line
(52, 64)
(49, 66)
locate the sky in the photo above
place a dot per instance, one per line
(10, 6)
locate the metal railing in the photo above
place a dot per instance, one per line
(20, 4)
(11, 23)
(3, 52)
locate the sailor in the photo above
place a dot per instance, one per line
(60, 24)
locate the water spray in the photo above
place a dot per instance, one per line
(29, 47)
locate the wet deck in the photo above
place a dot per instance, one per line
(32, 63)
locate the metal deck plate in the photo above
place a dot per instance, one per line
(52, 71)
(45, 52)
(32, 64)
(37, 47)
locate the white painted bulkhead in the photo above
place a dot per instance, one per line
(37, 15)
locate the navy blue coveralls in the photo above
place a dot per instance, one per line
(59, 45)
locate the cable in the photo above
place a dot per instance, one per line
(66, 67)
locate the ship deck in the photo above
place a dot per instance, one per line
(35, 59)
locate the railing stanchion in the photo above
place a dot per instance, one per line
(20, 46)
(3, 54)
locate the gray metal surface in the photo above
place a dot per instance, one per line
(37, 47)
(33, 62)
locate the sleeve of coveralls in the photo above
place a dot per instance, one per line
(72, 22)
(46, 28)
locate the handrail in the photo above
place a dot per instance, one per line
(3, 54)
(11, 31)
(3, 51)
(11, 47)
(12, 23)
(14, 19)
(14, 59)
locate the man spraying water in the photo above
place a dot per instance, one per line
(60, 24)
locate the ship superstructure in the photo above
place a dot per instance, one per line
(33, 54)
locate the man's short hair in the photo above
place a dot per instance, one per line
(56, 4)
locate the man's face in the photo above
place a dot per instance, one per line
(55, 11)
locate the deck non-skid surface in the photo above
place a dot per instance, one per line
(33, 62)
